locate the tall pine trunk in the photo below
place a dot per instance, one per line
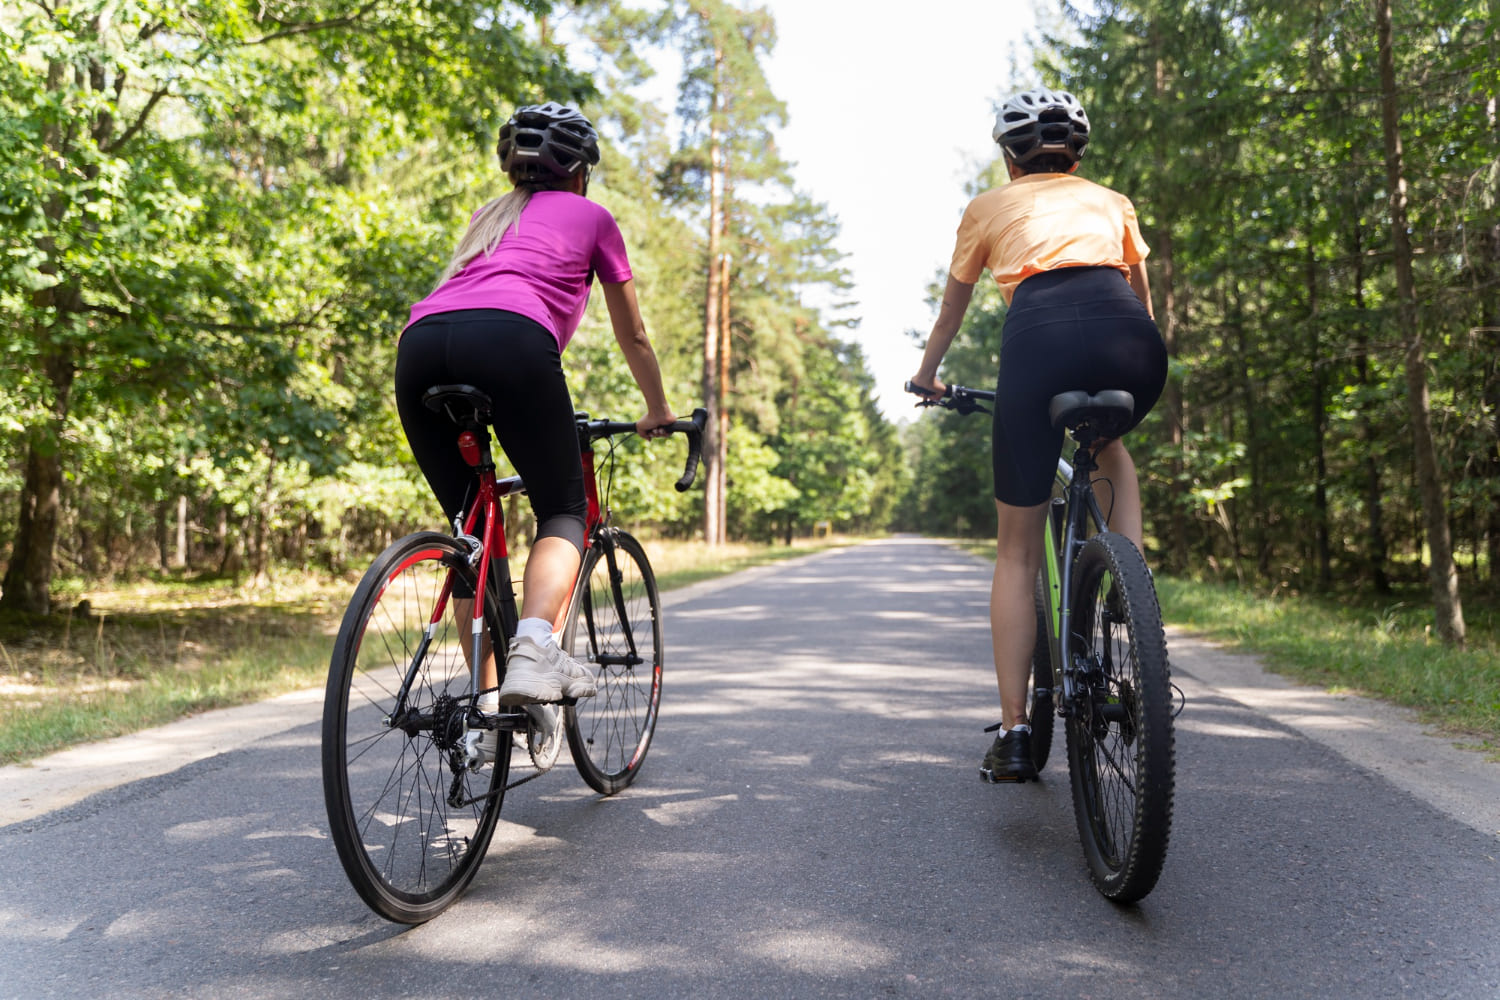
(1318, 410)
(714, 447)
(725, 282)
(1442, 574)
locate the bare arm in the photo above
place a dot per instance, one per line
(956, 296)
(630, 332)
(1141, 285)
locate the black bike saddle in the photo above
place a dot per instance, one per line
(1107, 412)
(462, 404)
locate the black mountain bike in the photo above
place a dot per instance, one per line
(1100, 660)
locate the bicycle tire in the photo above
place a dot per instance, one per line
(410, 822)
(609, 734)
(1040, 711)
(1120, 742)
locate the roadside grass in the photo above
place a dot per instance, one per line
(153, 651)
(1359, 642)
(1377, 645)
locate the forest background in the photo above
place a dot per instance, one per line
(215, 216)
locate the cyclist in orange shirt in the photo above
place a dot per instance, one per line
(1070, 261)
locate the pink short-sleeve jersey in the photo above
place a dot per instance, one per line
(542, 268)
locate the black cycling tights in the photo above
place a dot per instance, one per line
(1073, 328)
(515, 361)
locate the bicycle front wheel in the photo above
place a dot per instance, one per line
(411, 822)
(616, 630)
(1120, 742)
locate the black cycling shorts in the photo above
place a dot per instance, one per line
(515, 361)
(1073, 328)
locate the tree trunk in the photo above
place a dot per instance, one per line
(1442, 574)
(713, 446)
(1375, 541)
(180, 554)
(1177, 520)
(1318, 408)
(28, 577)
(260, 552)
(163, 532)
(726, 272)
(1492, 462)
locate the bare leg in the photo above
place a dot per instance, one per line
(1018, 559)
(1120, 496)
(551, 570)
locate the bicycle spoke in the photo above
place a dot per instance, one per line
(618, 629)
(1119, 739)
(387, 776)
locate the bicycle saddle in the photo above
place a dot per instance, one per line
(463, 404)
(1107, 412)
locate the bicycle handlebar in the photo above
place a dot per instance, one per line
(959, 398)
(692, 427)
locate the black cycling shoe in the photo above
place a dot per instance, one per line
(1009, 759)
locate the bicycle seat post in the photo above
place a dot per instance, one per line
(1091, 418)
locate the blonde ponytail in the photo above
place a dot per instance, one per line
(489, 224)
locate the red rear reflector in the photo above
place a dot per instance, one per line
(468, 445)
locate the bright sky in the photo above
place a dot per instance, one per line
(890, 113)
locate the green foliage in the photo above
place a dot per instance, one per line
(1249, 137)
(953, 487)
(214, 218)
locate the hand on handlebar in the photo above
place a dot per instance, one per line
(930, 389)
(656, 425)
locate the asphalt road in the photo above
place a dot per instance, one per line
(810, 823)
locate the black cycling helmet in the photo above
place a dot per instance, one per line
(1042, 122)
(547, 141)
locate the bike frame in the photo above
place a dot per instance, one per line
(474, 445)
(475, 448)
(1065, 531)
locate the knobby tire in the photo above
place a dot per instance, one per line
(1120, 741)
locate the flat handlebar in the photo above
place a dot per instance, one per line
(959, 398)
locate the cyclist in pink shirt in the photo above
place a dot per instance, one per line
(503, 311)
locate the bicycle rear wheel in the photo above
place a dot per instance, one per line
(1039, 704)
(410, 821)
(616, 629)
(1120, 742)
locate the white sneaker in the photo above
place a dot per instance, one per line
(480, 747)
(543, 672)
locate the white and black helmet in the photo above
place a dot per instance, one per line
(546, 141)
(1037, 123)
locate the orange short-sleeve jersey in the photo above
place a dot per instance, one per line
(1042, 222)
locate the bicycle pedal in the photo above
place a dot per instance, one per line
(989, 778)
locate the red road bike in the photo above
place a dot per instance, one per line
(412, 803)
